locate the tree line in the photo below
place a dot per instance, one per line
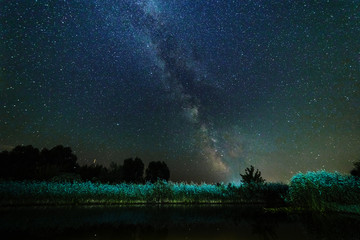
(60, 164)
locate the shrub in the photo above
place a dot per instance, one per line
(252, 176)
(321, 190)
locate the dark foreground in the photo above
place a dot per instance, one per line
(173, 222)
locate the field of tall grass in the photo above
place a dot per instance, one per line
(324, 191)
(19, 193)
(319, 191)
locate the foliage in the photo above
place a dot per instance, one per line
(161, 191)
(72, 192)
(320, 191)
(91, 173)
(25, 156)
(157, 170)
(61, 157)
(323, 190)
(133, 170)
(115, 173)
(27, 162)
(251, 176)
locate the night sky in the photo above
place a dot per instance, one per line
(209, 87)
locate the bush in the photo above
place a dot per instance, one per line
(252, 176)
(321, 190)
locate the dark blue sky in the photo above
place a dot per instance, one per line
(209, 87)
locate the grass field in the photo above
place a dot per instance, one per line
(319, 191)
(28, 193)
(324, 191)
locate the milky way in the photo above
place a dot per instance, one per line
(209, 87)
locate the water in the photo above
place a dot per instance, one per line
(172, 222)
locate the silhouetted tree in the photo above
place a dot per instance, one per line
(46, 171)
(157, 170)
(356, 171)
(19, 163)
(115, 173)
(61, 157)
(251, 176)
(92, 172)
(133, 170)
(27, 162)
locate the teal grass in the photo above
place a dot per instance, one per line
(161, 192)
(313, 191)
(323, 191)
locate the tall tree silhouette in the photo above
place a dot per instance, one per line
(92, 172)
(157, 170)
(133, 170)
(115, 173)
(251, 176)
(61, 157)
(20, 162)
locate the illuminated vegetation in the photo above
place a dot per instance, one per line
(160, 192)
(323, 191)
(319, 191)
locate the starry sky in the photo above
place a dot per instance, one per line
(210, 87)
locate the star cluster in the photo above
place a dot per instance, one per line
(209, 87)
